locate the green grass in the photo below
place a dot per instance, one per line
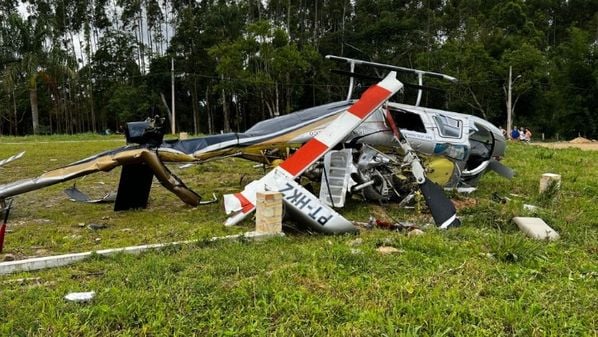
(485, 278)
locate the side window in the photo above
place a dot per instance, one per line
(407, 120)
(449, 127)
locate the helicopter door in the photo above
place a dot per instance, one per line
(452, 135)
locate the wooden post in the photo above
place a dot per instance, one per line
(268, 214)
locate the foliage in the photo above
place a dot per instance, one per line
(238, 62)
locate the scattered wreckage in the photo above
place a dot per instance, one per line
(379, 149)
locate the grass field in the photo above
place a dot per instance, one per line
(484, 278)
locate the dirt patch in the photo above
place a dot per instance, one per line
(464, 203)
(580, 140)
(591, 146)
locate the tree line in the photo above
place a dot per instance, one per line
(70, 66)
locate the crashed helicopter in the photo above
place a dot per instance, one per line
(370, 146)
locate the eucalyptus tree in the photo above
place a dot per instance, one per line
(118, 82)
(8, 100)
(201, 26)
(9, 64)
(573, 86)
(31, 48)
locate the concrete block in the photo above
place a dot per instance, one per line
(255, 235)
(548, 179)
(536, 228)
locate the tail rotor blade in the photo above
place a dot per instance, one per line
(442, 209)
(501, 169)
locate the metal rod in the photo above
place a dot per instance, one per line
(173, 121)
(351, 82)
(391, 67)
(362, 186)
(420, 82)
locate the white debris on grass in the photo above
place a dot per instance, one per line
(80, 297)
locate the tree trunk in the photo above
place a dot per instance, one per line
(14, 107)
(93, 113)
(288, 89)
(34, 111)
(276, 107)
(208, 111)
(194, 105)
(225, 121)
(166, 106)
(315, 41)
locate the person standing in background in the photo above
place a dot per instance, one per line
(515, 133)
(528, 135)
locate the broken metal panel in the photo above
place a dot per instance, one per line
(11, 158)
(76, 195)
(442, 171)
(336, 177)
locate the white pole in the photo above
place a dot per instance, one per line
(173, 121)
(509, 106)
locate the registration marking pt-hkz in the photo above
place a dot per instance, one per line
(306, 203)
